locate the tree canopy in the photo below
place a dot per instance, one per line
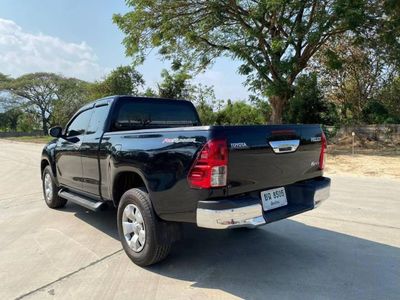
(308, 104)
(49, 97)
(36, 92)
(174, 85)
(124, 80)
(274, 39)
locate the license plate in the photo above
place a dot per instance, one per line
(273, 198)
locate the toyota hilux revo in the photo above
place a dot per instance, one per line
(153, 160)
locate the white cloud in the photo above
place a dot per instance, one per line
(22, 52)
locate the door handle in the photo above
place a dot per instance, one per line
(284, 146)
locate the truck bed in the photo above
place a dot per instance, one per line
(164, 157)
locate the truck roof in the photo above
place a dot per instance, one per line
(116, 97)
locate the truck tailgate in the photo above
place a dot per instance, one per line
(255, 165)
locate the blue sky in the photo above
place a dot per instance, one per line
(78, 38)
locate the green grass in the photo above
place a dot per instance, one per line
(31, 139)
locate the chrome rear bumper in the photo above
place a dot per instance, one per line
(248, 211)
(246, 216)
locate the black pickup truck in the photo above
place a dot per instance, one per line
(154, 161)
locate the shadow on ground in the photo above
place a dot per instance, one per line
(283, 259)
(104, 220)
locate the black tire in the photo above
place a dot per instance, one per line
(159, 234)
(54, 201)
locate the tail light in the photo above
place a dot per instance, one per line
(323, 151)
(211, 166)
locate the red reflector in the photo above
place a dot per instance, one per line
(323, 151)
(210, 168)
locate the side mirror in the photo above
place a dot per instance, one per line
(55, 131)
(72, 133)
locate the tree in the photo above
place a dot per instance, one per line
(174, 85)
(263, 106)
(3, 122)
(149, 92)
(384, 37)
(274, 39)
(389, 97)
(72, 94)
(308, 104)
(375, 112)
(239, 113)
(50, 97)
(352, 75)
(28, 122)
(9, 119)
(206, 103)
(35, 92)
(206, 114)
(4, 78)
(124, 80)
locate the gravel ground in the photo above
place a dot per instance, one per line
(382, 166)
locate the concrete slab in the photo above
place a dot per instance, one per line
(349, 248)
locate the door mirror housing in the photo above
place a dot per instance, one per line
(72, 133)
(55, 131)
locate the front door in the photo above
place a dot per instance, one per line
(90, 149)
(67, 152)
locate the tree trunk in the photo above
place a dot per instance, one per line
(44, 123)
(278, 104)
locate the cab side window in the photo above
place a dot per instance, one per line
(79, 124)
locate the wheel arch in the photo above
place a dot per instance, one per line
(47, 159)
(124, 181)
(43, 164)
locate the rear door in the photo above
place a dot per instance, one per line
(67, 152)
(90, 148)
(267, 156)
